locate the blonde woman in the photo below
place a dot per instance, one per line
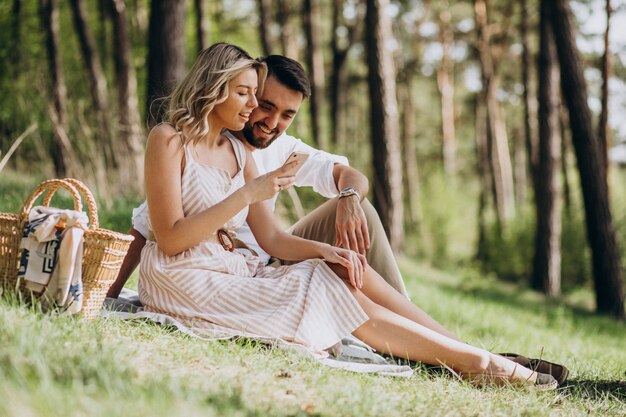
(201, 184)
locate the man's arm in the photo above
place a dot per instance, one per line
(351, 224)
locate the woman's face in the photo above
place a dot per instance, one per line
(233, 113)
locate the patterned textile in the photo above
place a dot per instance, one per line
(216, 293)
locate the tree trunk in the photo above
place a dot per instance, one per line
(339, 77)
(315, 62)
(16, 37)
(445, 83)
(482, 168)
(202, 25)
(288, 40)
(166, 53)
(62, 147)
(411, 171)
(603, 127)
(130, 131)
(97, 81)
(530, 109)
(101, 34)
(265, 21)
(384, 122)
(547, 260)
(607, 266)
(565, 152)
(500, 158)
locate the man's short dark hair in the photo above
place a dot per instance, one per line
(289, 73)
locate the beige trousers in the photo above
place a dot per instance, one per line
(319, 225)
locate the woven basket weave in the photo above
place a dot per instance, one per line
(103, 250)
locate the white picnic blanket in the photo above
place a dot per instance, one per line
(352, 355)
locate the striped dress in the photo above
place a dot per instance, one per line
(217, 293)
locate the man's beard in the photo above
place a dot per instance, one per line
(255, 141)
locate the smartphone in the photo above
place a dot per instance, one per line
(295, 156)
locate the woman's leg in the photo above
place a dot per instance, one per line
(391, 333)
(380, 292)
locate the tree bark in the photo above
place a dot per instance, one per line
(530, 109)
(202, 25)
(607, 266)
(166, 53)
(265, 21)
(547, 260)
(384, 122)
(288, 39)
(97, 81)
(62, 147)
(339, 77)
(500, 158)
(315, 62)
(411, 169)
(445, 83)
(16, 37)
(130, 131)
(603, 126)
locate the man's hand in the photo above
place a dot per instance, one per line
(351, 225)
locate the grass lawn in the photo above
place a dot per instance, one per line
(59, 366)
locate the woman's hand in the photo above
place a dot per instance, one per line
(266, 186)
(353, 262)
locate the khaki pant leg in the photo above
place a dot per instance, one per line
(319, 225)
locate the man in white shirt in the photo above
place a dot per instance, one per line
(347, 219)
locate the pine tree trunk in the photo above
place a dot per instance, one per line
(547, 260)
(603, 127)
(315, 62)
(16, 37)
(500, 158)
(384, 122)
(265, 20)
(288, 39)
(202, 25)
(411, 171)
(445, 83)
(565, 153)
(530, 109)
(130, 131)
(607, 266)
(482, 168)
(339, 76)
(97, 81)
(166, 53)
(62, 147)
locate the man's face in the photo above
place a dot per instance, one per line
(278, 105)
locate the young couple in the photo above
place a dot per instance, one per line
(203, 187)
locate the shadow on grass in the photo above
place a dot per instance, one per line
(523, 300)
(597, 389)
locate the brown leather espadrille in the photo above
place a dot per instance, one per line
(558, 371)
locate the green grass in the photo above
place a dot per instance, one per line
(52, 365)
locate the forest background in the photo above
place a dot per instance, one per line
(490, 130)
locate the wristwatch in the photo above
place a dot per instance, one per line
(348, 191)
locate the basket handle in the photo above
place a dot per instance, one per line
(87, 196)
(51, 186)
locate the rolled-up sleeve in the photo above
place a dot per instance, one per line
(317, 171)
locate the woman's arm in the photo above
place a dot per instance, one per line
(173, 231)
(282, 245)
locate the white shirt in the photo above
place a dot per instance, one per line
(316, 172)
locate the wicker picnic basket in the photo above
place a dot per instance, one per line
(103, 250)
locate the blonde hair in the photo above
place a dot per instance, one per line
(206, 85)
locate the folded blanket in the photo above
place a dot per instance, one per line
(51, 262)
(352, 354)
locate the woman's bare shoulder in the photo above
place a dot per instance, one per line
(165, 136)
